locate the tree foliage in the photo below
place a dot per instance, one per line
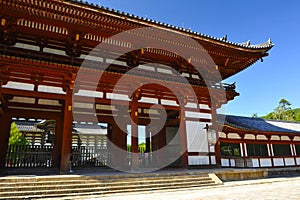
(283, 112)
(16, 137)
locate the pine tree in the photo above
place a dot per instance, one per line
(282, 112)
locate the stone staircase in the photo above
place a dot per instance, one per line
(77, 186)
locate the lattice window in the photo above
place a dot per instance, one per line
(257, 150)
(282, 150)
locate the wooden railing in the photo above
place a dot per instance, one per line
(90, 156)
(30, 156)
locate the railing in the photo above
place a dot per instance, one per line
(90, 156)
(30, 156)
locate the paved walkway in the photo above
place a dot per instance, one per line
(272, 188)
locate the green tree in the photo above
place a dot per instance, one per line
(142, 147)
(16, 143)
(282, 112)
(297, 114)
(16, 137)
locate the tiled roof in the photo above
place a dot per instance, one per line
(259, 124)
(264, 45)
(27, 126)
(85, 128)
(89, 128)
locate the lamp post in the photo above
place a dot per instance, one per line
(211, 138)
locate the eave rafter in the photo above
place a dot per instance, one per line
(74, 16)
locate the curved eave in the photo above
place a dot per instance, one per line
(153, 23)
(246, 66)
(94, 9)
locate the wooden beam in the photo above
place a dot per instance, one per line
(40, 107)
(33, 114)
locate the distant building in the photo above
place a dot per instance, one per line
(256, 142)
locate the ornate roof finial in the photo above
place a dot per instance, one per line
(247, 43)
(269, 41)
(224, 38)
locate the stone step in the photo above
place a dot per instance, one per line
(104, 186)
(37, 182)
(64, 186)
(112, 177)
(80, 192)
(34, 185)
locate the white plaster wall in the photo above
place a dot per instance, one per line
(232, 162)
(289, 161)
(278, 162)
(298, 161)
(255, 162)
(198, 160)
(213, 160)
(196, 137)
(266, 162)
(224, 162)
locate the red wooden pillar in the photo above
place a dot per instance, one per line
(214, 118)
(119, 146)
(66, 137)
(5, 124)
(134, 130)
(158, 142)
(183, 136)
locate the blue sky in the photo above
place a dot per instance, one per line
(263, 84)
